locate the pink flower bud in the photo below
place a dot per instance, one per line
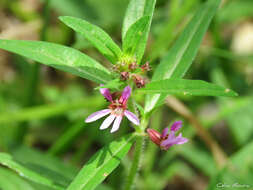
(145, 67)
(139, 81)
(132, 66)
(154, 136)
(124, 75)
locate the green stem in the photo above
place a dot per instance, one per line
(135, 163)
(140, 139)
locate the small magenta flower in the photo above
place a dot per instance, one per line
(117, 109)
(166, 140)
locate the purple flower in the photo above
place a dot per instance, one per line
(117, 109)
(166, 140)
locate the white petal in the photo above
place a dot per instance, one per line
(97, 115)
(107, 122)
(116, 124)
(132, 117)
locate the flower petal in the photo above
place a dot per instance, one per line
(132, 117)
(106, 93)
(176, 126)
(107, 122)
(165, 132)
(167, 142)
(126, 93)
(181, 140)
(116, 124)
(97, 115)
(173, 140)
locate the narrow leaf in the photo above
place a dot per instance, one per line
(180, 57)
(137, 9)
(9, 180)
(187, 87)
(134, 35)
(59, 57)
(102, 164)
(7, 160)
(95, 35)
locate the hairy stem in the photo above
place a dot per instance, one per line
(135, 163)
(218, 154)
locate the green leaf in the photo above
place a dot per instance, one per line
(137, 9)
(134, 35)
(102, 164)
(187, 87)
(59, 57)
(95, 35)
(8, 161)
(11, 181)
(180, 57)
(179, 10)
(134, 11)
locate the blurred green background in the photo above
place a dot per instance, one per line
(42, 110)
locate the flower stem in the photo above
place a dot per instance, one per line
(135, 163)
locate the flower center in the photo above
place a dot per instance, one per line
(164, 138)
(117, 107)
(118, 111)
